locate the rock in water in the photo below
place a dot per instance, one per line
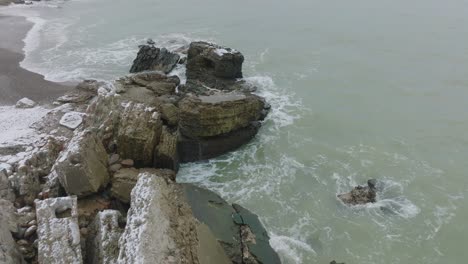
(58, 231)
(360, 194)
(25, 103)
(150, 58)
(207, 116)
(213, 65)
(82, 167)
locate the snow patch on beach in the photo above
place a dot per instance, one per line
(15, 125)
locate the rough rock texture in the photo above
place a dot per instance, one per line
(166, 154)
(241, 234)
(25, 103)
(207, 116)
(138, 133)
(360, 194)
(82, 167)
(72, 120)
(169, 113)
(157, 82)
(6, 192)
(103, 240)
(207, 148)
(8, 251)
(160, 228)
(212, 65)
(58, 231)
(150, 58)
(125, 180)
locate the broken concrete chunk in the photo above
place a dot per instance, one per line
(160, 229)
(82, 167)
(8, 251)
(123, 182)
(103, 241)
(58, 231)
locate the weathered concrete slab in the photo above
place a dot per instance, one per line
(58, 231)
(102, 246)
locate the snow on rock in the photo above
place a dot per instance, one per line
(25, 103)
(72, 120)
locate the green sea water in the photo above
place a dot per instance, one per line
(359, 89)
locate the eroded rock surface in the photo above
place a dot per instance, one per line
(160, 228)
(58, 231)
(360, 194)
(150, 58)
(103, 240)
(82, 167)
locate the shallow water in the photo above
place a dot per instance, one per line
(359, 89)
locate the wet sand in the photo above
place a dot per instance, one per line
(16, 82)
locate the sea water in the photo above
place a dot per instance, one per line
(359, 89)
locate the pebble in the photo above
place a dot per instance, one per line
(32, 222)
(115, 167)
(30, 231)
(127, 163)
(84, 231)
(114, 158)
(25, 209)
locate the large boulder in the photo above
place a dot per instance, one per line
(208, 116)
(150, 58)
(160, 227)
(82, 167)
(212, 65)
(138, 133)
(58, 231)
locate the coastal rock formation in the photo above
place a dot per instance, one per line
(82, 167)
(213, 66)
(100, 187)
(360, 194)
(150, 58)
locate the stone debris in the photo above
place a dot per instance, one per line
(25, 103)
(58, 231)
(8, 250)
(72, 120)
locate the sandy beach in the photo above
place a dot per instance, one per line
(16, 82)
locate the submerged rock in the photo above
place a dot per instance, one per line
(150, 58)
(360, 194)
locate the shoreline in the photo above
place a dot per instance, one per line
(15, 81)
